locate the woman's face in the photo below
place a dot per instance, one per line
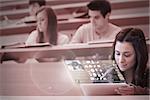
(42, 21)
(125, 55)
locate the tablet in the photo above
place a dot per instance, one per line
(98, 89)
(94, 71)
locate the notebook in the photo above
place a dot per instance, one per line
(100, 89)
(22, 45)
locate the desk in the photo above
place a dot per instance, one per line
(75, 97)
(27, 28)
(17, 79)
(64, 7)
(67, 51)
(36, 79)
(121, 20)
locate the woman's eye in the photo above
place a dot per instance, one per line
(127, 55)
(117, 53)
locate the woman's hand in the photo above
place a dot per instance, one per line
(131, 90)
(126, 90)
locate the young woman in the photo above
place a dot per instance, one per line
(131, 56)
(46, 32)
(46, 29)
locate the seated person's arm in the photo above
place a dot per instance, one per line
(77, 36)
(8, 56)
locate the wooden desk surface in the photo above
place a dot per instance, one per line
(27, 28)
(135, 97)
(64, 6)
(73, 24)
(67, 51)
(26, 81)
(36, 79)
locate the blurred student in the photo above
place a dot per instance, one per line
(34, 6)
(131, 56)
(46, 32)
(99, 27)
(46, 29)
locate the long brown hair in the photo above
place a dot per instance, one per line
(136, 37)
(52, 25)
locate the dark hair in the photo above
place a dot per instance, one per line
(40, 2)
(52, 24)
(136, 37)
(100, 5)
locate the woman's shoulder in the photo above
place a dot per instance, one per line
(34, 32)
(62, 36)
(32, 37)
(62, 39)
